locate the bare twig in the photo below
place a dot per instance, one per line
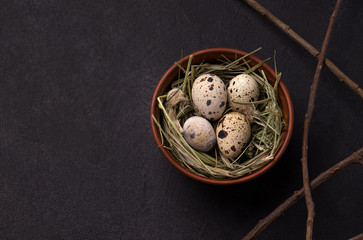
(343, 78)
(358, 237)
(309, 114)
(355, 158)
(313, 51)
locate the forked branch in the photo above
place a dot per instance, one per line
(309, 114)
(355, 158)
(313, 51)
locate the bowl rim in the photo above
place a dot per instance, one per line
(155, 130)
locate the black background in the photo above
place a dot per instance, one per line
(77, 157)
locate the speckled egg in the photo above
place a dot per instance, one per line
(242, 88)
(209, 96)
(199, 133)
(233, 133)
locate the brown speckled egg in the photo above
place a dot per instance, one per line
(233, 133)
(199, 133)
(209, 96)
(242, 89)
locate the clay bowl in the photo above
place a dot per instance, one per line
(210, 55)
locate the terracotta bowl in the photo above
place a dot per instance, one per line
(210, 55)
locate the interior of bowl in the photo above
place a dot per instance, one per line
(212, 56)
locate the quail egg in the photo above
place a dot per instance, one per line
(233, 133)
(199, 133)
(209, 96)
(242, 89)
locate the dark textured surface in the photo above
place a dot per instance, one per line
(77, 158)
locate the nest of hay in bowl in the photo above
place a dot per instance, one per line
(268, 124)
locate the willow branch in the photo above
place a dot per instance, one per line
(358, 237)
(355, 158)
(313, 51)
(309, 114)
